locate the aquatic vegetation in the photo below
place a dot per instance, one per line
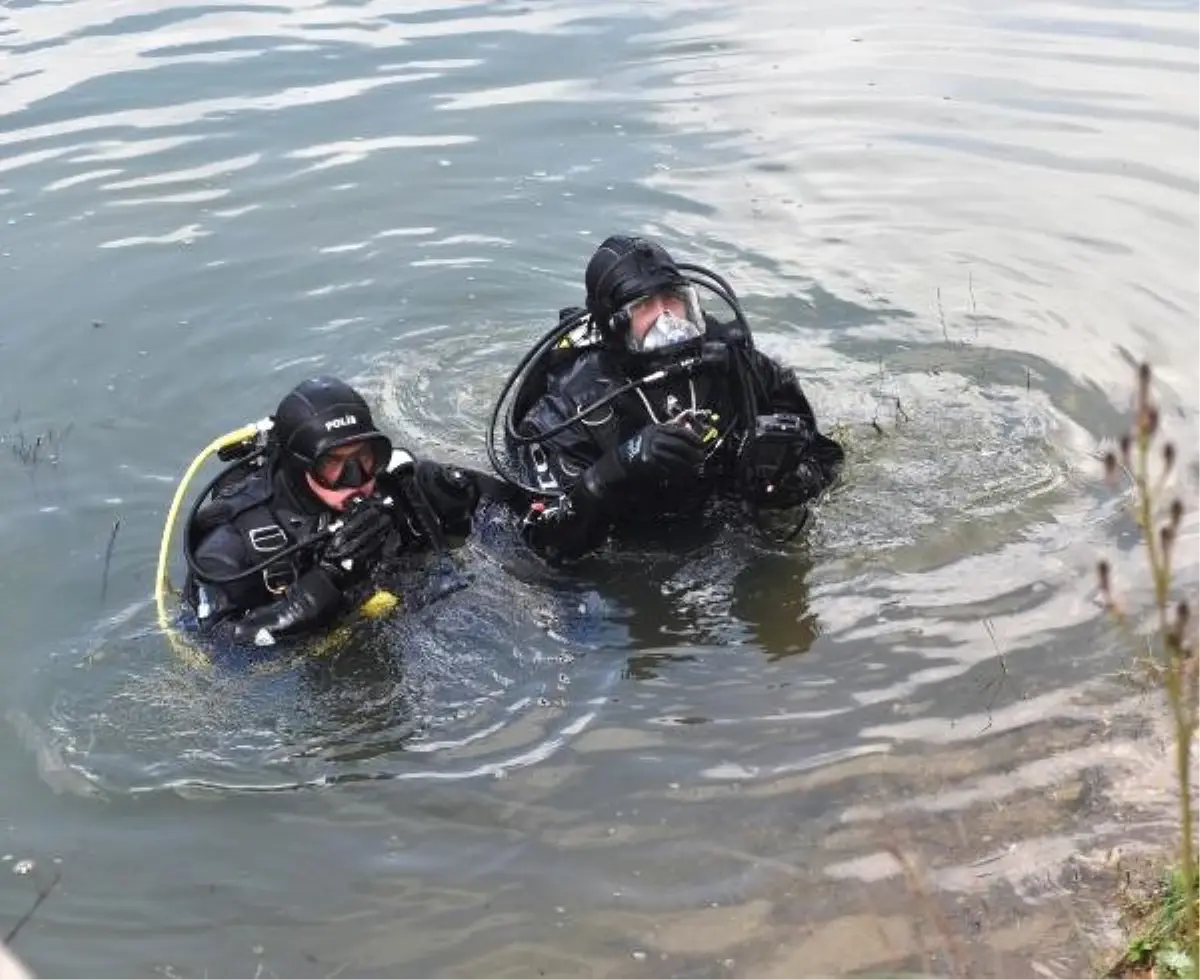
(10, 966)
(41, 447)
(1163, 925)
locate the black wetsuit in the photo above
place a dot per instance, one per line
(260, 511)
(584, 458)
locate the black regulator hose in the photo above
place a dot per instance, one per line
(547, 340)
(213, 579)
(682, 367)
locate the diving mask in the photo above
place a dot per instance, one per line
(350, 466)
(664, 319)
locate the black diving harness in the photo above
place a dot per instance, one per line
(770, 444)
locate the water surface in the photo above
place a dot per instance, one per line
(960, 224)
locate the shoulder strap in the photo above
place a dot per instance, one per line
(236, 491)
(264, 533)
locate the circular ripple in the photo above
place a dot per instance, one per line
(478, 683)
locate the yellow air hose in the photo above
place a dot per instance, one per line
(162, 584)
(377, 605)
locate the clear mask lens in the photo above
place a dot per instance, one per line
(667, 331)
(664, 320)
(346, 471)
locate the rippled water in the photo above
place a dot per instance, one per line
(961, 223)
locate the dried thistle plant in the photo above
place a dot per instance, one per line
(1172, 659)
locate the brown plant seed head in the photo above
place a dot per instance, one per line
(1166, 538)
(1182, 614)
(1168, 457)
(1144, 383)
(1176, 513)
(1126, 448)
(1104, 574)
(1151, 423)
(1110, 466)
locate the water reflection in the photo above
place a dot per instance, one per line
(773, 595)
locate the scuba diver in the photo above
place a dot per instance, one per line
(642, 407)
(300, 523)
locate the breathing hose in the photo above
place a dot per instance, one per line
(162, 584)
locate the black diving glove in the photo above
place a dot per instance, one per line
(361, 537)
(311, 602)
(452, 492)
(662, 451)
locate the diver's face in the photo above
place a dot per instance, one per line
(343, 473)
(644, 313)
